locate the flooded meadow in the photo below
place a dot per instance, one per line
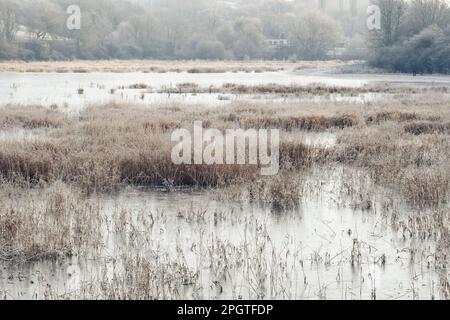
(92, 206)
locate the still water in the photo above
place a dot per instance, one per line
(306, 253)
(62, 90)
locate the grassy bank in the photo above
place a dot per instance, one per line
(156, 66)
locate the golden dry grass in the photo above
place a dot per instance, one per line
(109, 146)
(321, 89)
(46, 224)
(47, 211)
(32, 117)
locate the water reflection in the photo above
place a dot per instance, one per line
(323, 249)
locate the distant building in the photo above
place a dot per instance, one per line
(23, 34)
(278, 43)
(337, 52)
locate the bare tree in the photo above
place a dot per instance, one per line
(43, 18)
(8, 19)
(249, 42)
(392, 15)
(313, 34)
(425, 13)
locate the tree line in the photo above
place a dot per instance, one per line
(168, 29)
(414, 35)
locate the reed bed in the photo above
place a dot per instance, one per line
(46, 224)
(50, 188)
(389, 159)
(32, 117)
(253, 267)
(292, 90)
(320, 89)
(109, 146)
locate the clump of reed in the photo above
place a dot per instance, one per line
(48, 224)
(31, 117)
(113, 146)
(298, 155)
(282, 193)
(414, 167)
(139, 86)
(188, 86)
(418, 128)
(324, 90)
(301, 122)
(383, 116)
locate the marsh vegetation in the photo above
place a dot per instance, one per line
(93, 207)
